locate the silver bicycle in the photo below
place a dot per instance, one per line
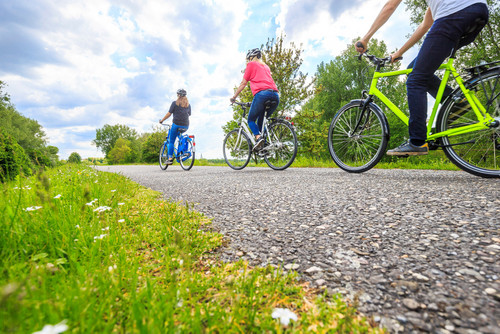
(280, 145)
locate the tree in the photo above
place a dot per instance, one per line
(109, 134)
(121, 152)
(74, 158)
(26, 132)
(152, 144)
(484, 48)
(293, 85)
(13, 159)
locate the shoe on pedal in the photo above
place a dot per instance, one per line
(259, 144)
(408, 148)
(170, 161)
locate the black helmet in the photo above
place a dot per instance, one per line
(254, 53)
(182, 92)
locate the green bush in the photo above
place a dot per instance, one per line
(74, 158)
(13, 159)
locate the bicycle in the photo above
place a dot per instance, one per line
(280, 146)
(467, 125)
(184, 150)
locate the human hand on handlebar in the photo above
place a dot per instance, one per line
(232, 100)
(396, 56)
(360, 46)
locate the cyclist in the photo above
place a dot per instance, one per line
(263, 89)
(449, 21)
(181, 109)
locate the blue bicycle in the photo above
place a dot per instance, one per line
(184, 150)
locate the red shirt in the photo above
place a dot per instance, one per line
(259, 76)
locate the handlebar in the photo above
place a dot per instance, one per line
(379, 62)
(243, 104)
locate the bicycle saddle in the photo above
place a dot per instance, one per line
(270, 104)
(181, 130)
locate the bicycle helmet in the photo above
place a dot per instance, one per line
(182, 92)
(254, 53)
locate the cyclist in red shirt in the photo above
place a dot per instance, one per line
(263, 89)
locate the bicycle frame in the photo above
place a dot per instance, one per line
(484, 119)
(176, 155)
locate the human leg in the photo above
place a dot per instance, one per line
(172, 136)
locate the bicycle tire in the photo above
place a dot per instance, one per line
(478, 152)
(281, 145)
(186, 159)
(237, 149)
(362, 151)
(163, 156)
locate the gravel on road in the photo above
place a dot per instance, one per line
(418, 250)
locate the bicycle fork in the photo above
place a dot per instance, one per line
(364, 108)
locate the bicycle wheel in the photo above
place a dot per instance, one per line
(280, 148)
(358, 150)
(163, 156)
(237, 149)
(476, 152)
(186, 159)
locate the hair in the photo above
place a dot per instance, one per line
(182, 101)
(255, 58)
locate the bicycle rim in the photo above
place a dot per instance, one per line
(280, 149)
(163, 156)
(237, 149)
(187, 158)
(476, 152)
(357, 151)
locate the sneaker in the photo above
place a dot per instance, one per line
(408, 148)
(170, 161)
(259, 144)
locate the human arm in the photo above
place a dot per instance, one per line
(422, 28)
(165, 117)
(386, 12)
(242, 86)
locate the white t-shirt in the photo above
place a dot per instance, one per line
(442, 8)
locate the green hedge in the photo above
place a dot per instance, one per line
(13, 158)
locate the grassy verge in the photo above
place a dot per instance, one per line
(99, 254)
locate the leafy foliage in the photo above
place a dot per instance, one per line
(152, 144)
(107, 136)
(13, 159)
(26, 132)
(74, 158)
(121, 152)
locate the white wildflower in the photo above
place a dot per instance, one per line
(113, 190)
(57, 196)
(77, 226)
(105, 229)
(121, 220)
(120, 204)
(111, 268)
(33, 208)
(100, 237)
(54, 329)
(102, 209)
(91, 202)
(285, 315)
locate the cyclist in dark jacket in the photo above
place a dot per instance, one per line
(448, 23)
(181, 109)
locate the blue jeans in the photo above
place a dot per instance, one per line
(257, 110)
(441, 39)
(172, 136)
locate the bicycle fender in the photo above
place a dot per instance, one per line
(377, 109)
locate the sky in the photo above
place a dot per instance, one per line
(77, 65)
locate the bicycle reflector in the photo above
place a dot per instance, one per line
(192, 137)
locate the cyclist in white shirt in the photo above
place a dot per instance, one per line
(452, 23)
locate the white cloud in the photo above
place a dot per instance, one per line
(76, 66)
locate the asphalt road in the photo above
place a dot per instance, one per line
(418, 250)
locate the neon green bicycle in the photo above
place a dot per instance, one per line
(467, 126)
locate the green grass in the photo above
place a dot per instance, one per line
(106, 255)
